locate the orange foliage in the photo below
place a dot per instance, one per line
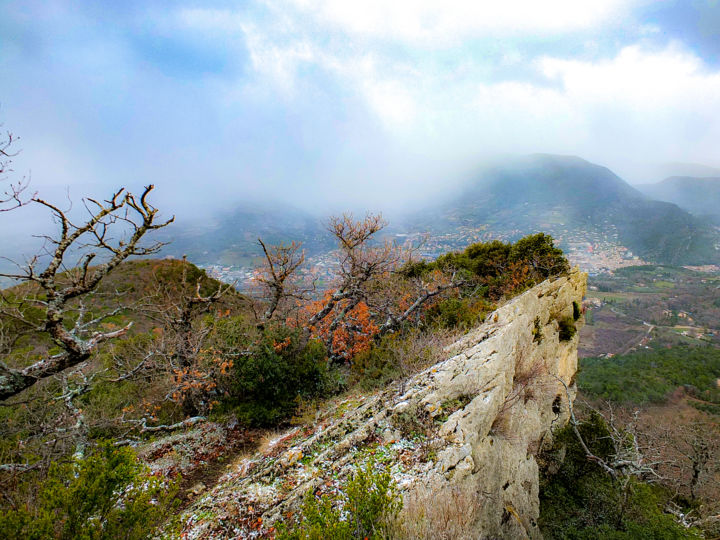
(199, 380)
(352, 334)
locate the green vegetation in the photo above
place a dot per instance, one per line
(577, 310)
(580, 501)
(189, 357)
(270, 375)
(497, 269)
(462, 313)
(566, 329)
(650, 376)
(363, 508)
(108, 495)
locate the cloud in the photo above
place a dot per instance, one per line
(347, 103)
(655, 103)
(428, 23)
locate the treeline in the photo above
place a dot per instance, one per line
(651, 376)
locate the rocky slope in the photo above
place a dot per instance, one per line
(472, 423)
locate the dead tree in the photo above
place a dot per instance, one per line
(14, 194)
(369, 298)
(277, 277)
(177, 306)
(42, 301)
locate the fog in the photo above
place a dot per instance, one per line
(346, 105)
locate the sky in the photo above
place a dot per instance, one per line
(345, 104)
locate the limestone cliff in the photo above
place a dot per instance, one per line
(484, 413)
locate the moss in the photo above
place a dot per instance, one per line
(450, 406)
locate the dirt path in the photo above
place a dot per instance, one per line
(205, 477)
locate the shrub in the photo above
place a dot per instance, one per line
(457, 313)
(500, 269)
(276, 371)
(107, 495)
(577, 310)
(377, 366)
(399, 355)
(566, 329)
(363, 508)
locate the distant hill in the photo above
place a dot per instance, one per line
(696, 170)
(699, 196)
(232, 239)
(564, 194)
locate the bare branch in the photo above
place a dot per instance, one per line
(282, 261)
(57, 290)
(14, 194)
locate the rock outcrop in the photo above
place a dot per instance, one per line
(474, 423)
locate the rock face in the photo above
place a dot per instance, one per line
(474, 422)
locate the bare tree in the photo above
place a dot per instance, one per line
(13, 196)
(629, 458)
(699, 445)
(277, 276)
(49, 291)
(177, 305)
(359, 263)
(371, 297)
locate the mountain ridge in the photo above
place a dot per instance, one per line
(567, 194)
(698, 195)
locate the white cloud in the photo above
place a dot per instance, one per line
(647, 102)
(428, 22)
(637, 77)
(660, 103)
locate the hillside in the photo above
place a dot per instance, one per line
(469, 428)
(568, 197)
(137, 290)
(698, 195)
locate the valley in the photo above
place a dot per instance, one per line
(599, 220)
(639, 307)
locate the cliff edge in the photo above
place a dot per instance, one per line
(472, 423)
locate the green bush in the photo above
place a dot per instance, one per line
(107, 495)
(461, 313)
(577, 310)
(277, 370)
(566, 329)
(362, 509)
(377, 366)
(486, 264)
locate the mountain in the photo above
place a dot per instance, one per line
(697, 170)
(232, 239)
(699, 196)
(573, 200)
